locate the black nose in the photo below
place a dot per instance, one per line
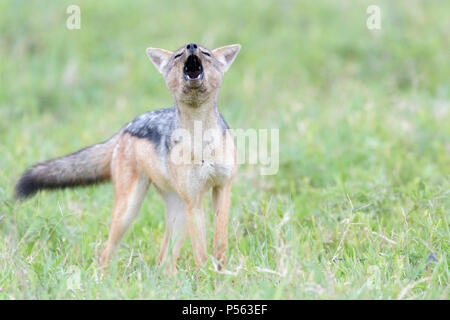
(191, 47)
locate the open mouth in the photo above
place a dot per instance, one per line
(193, 69)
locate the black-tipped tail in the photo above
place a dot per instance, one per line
(85, 167)
(27, 186)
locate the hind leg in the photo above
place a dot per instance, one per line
(130, 188)
(175, 233)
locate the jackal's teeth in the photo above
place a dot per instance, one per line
(193, 69)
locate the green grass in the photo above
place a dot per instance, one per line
(362, 195)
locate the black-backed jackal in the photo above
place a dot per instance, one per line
(147, 151)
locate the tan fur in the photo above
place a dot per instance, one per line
(135, 164)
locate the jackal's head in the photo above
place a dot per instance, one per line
(193, 73)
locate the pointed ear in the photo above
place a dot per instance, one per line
(226, 55)
(159, 57)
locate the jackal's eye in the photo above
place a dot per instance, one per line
(206, 53)
(178, 55)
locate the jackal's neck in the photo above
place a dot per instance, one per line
(206, 112)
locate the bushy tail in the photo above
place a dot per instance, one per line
(84, 167)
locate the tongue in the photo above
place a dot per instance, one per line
(193, 74)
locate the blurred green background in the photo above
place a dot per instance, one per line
(362, 195)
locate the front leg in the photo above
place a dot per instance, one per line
(195, 219)
(175, 231)
(221, 206)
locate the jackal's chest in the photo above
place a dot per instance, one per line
(202, 166)
(212, 172)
